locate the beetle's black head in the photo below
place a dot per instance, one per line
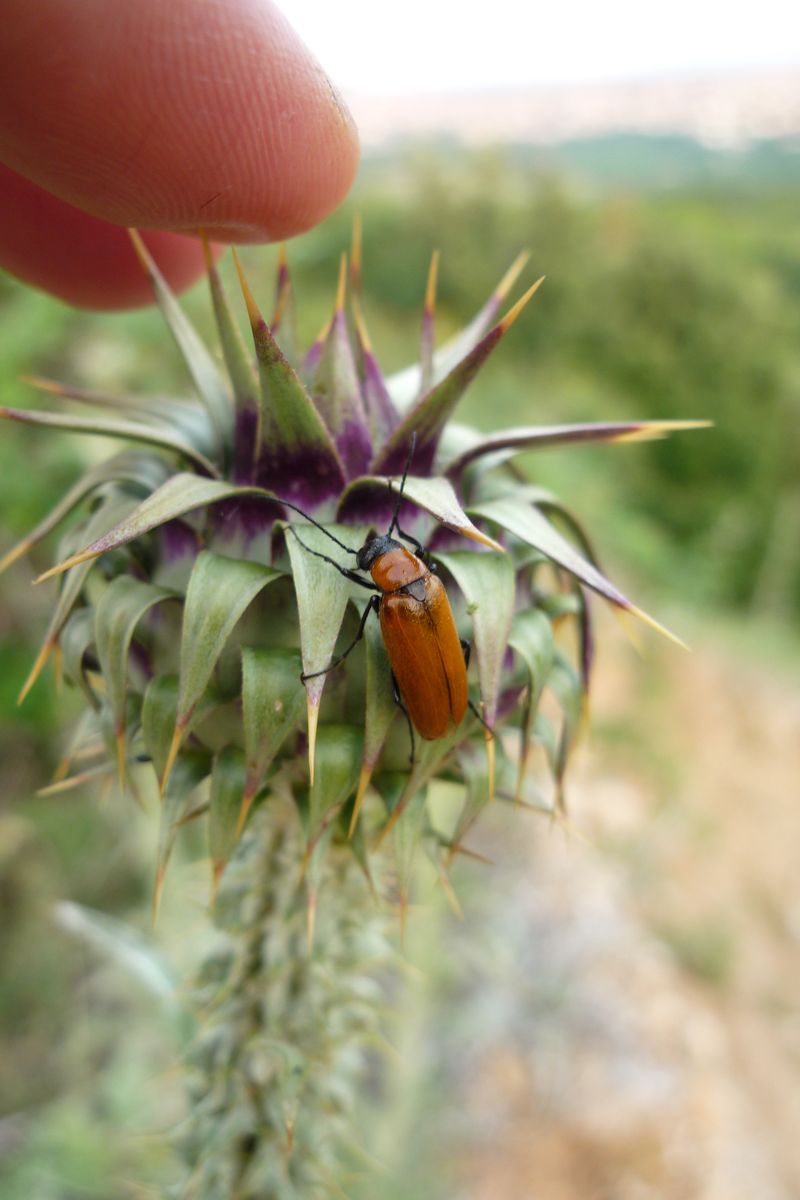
(373, 548)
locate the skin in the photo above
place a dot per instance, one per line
(164, 116)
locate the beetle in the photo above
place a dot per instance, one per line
(428, 659)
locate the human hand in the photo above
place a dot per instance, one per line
(166, 116)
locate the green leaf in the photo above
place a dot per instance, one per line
(339, 755)
(487, 582)
(240, 369)
(291, 433)
(159, 710)
(408, 818)
(322, 595)
(180, 494)
(566, 685)
(475, 771)
(119, 610)
(428, 758)
(435, 495)
(527, 523)
(132, 431)
(227, 790)
(380, 709)
(430, 414)
(76, 638)
(219, 591)
(337, 391)
(134, 467)
(106, 515)
(205, 374)
(183, 415)
(532, 638)
(273, 700)
(85, 742)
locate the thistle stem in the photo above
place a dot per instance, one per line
(277, 1062)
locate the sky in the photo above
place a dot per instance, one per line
(441, 45)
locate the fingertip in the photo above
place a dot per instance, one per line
(84, 261)
(174, 115)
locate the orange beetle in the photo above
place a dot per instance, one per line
(420, 636)
(428, 660)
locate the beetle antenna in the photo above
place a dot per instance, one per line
(396, 516)
(327, 532)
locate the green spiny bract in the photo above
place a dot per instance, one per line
(187, 615)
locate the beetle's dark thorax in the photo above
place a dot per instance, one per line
(374, 549)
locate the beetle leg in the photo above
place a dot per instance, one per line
(374, 603)
(412, 541)
(466, 648)
(398, 699)
(348, 574)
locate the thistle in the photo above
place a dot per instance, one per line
(187, 614)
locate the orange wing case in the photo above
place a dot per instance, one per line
(426, 657)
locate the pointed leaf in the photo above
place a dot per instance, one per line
(508, 442)
(159, 710)
(188, 774)
(381, 413)
(338, 762)
(404, 387)
(219, 591)
(337, 392)
(475, 771)
(525, 522)
(532, 638)
(380, 706)
(205, 375)
(566, 685)
(283, 323)
(237, 361)
(487, 582)
(119, 610)
(104, 516)
(180, 495)
(145, 470)
(406, 836)
(429, 757)
(273, 702)
(431, 413)
(408, 818)
(85, 742)
(297, 455)
(322, 595)
(76, 638)
(132, 431)
(227, 790)
(427, 337)
(241, 371)
(183, 415)
(435, 495)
